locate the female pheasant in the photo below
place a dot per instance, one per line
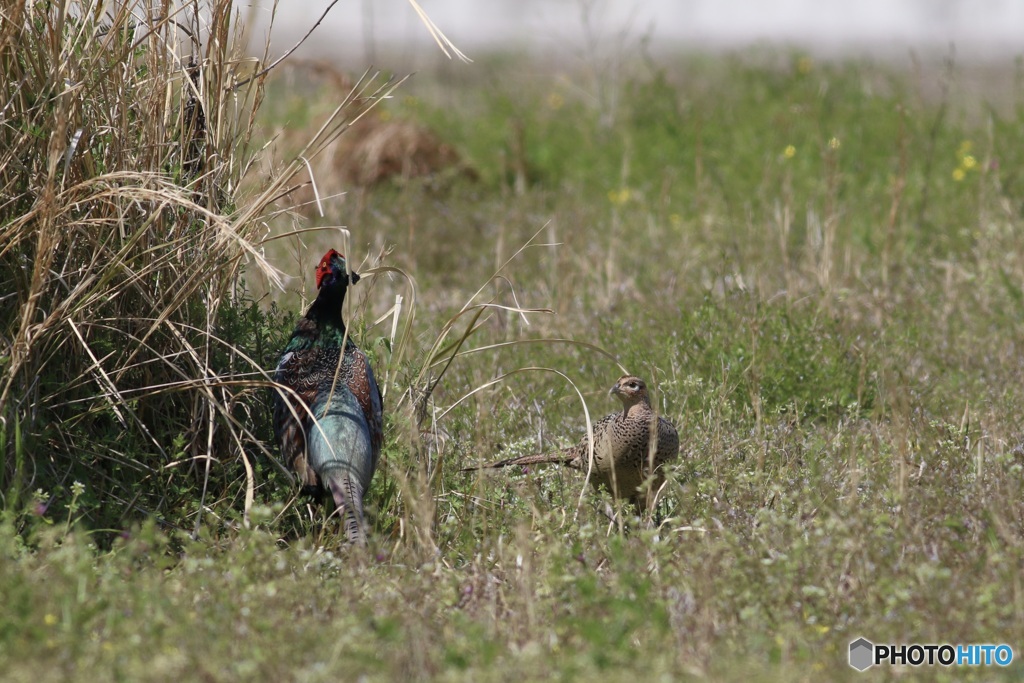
(328, 414)
(622, 455)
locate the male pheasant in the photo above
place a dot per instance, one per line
(328, 414)
(622, 457)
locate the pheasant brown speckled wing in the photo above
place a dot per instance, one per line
(291, 412)
(358, 377)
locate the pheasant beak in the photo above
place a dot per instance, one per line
(353, 277)
(615, 390)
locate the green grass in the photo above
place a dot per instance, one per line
(816, 267)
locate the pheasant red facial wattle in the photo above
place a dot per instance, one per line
(333, 263)
(324, 269)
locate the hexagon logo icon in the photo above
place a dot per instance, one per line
(861, 654)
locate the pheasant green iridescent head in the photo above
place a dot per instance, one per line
(332, 272)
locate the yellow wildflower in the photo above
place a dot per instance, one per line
(50, 619)
(789, 152)
(968, 162)
(834, 143)
(958, 174)
(619, 197)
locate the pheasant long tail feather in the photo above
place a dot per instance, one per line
(560, 457)
(348, 501)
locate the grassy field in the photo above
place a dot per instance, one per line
(816, 266)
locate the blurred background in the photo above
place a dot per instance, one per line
(980, 29)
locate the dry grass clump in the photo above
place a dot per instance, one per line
(379, 149)
(376, 148)
(123, 138)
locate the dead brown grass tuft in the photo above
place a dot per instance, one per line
(376, 148)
